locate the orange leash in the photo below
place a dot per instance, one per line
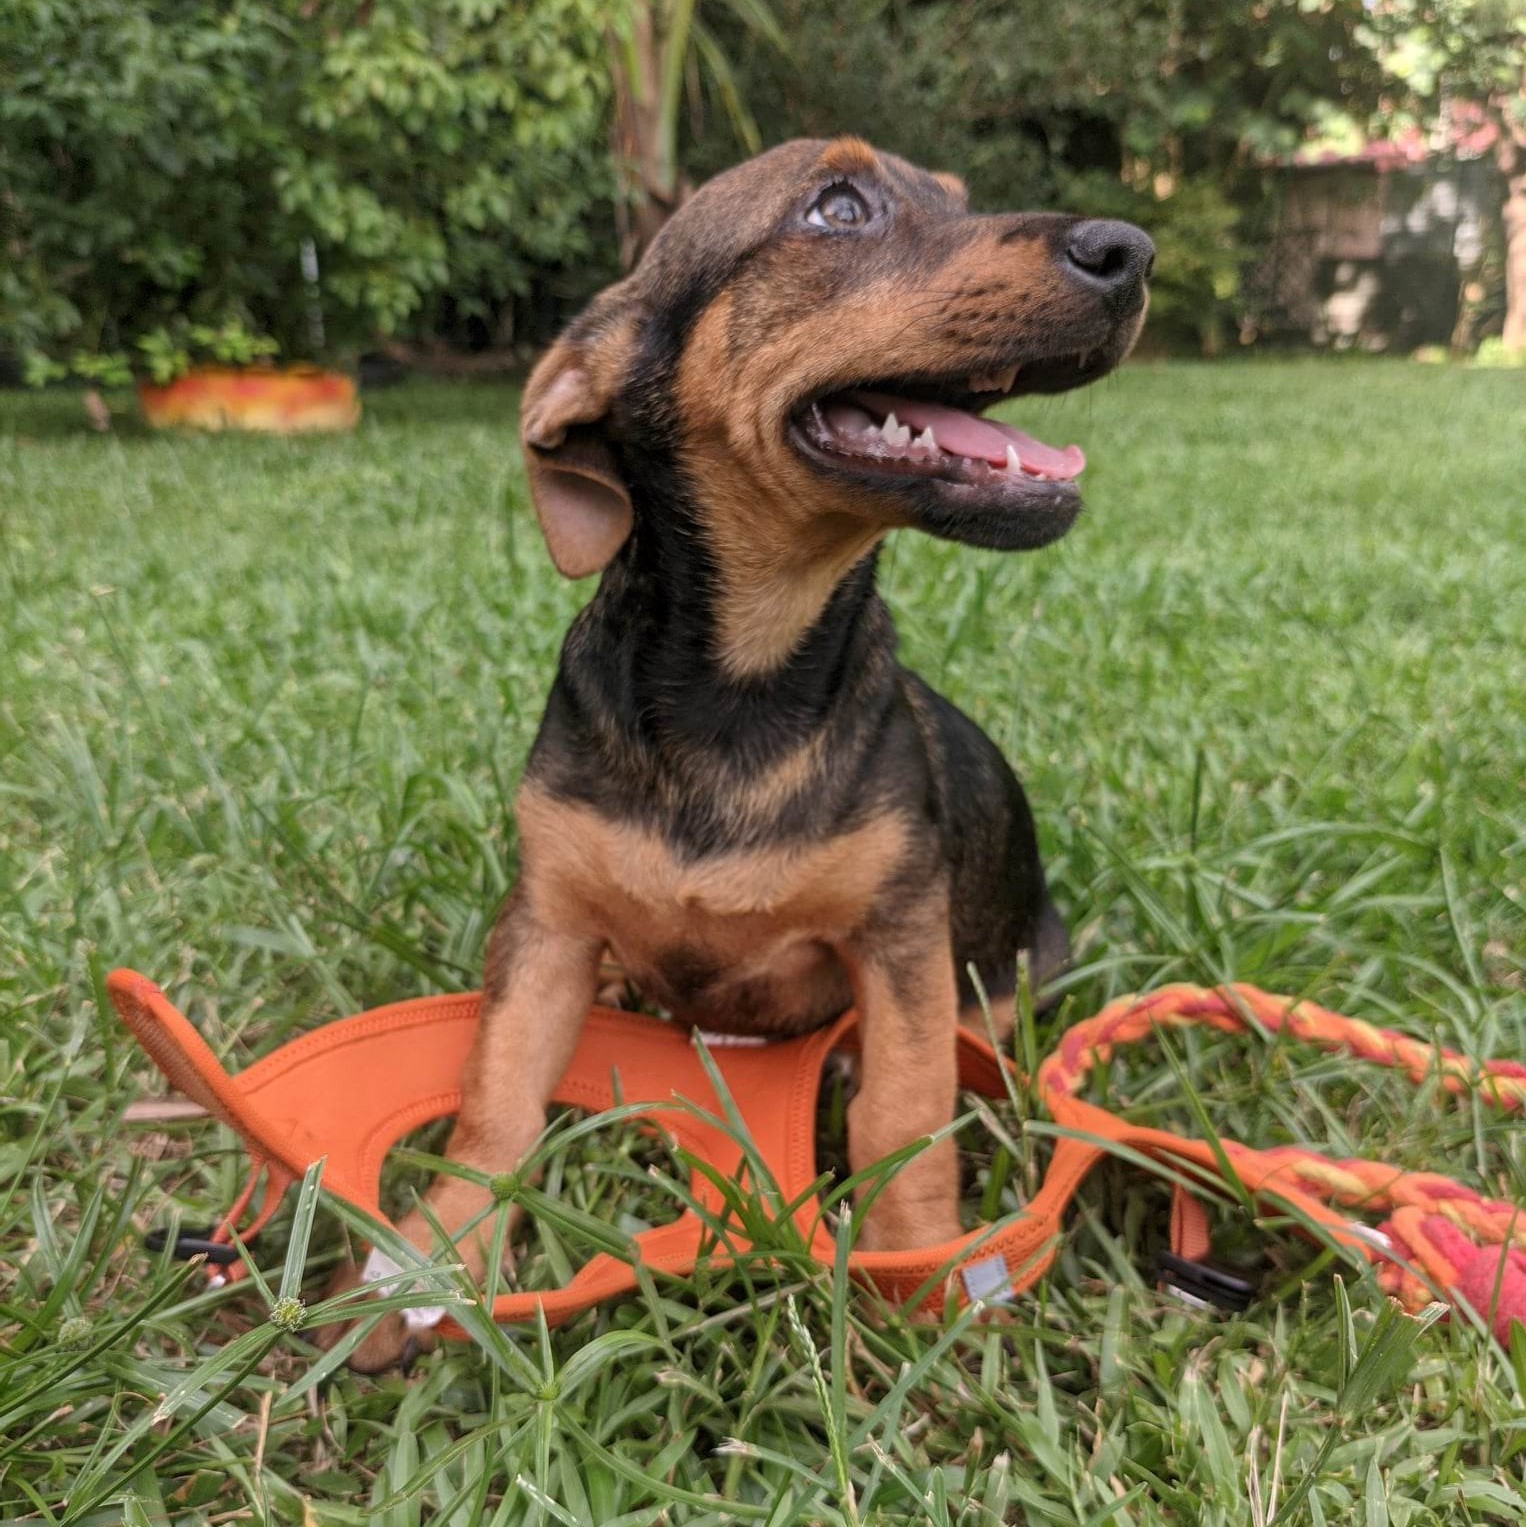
(351, 1089)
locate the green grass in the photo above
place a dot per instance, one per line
(262, 708)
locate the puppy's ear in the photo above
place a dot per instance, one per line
(580, 496)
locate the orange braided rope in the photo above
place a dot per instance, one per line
(1454, 1239)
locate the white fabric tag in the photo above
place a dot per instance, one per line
(988, 1280)
(1192, 1301)
(715, 1041)
(422, 1317)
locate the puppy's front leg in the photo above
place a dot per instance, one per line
(908, 1007)
(539, 985)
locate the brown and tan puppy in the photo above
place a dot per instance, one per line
(736, 791)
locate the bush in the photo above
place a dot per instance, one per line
(181, 178)
(1493, 354)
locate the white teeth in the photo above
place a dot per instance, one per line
(1013, 464)
(993, 381)
(895, 433)
(926, 441)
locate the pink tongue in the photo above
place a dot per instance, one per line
(962, 434)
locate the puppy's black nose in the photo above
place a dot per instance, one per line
(1115, 257)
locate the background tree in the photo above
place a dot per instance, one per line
(658, 51)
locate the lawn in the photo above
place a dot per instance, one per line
(262, 708)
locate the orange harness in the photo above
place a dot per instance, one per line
(350, 1089)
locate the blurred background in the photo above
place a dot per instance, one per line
(438, 184)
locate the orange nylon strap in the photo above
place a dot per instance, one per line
(1189, 1226)
(351, 1089)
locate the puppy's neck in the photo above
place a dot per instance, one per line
(733, 644)
(773, 592)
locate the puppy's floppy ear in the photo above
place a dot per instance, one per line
(580, 496)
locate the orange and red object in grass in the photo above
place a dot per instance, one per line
(291, 400)
(349, 1090)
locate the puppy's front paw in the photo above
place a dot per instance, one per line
(392, 1343)
(397, 1340)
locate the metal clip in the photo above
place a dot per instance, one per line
(1204, 1287)
(193, 1243)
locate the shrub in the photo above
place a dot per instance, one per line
(183, 177)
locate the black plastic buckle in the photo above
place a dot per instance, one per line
(1204, 1286)
(193, 1243)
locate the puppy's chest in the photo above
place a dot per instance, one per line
(735, 911)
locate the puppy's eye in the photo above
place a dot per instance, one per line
(838, 208)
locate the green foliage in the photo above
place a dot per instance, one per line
(1494, 353)
(317, 172)
(684, 50)
(262, 707)
(1435, 55)
(134, 151)
(168, 351)
(305, 171)
(1472, 50)
(449, 148)
(1448, 65)
(162, 354)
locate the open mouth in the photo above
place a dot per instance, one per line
(931, 428)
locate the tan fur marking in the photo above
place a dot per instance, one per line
(908, 1077)
(849, 156)
(973, 1017)
(524, 1042)
(766, 795)
(773, 605)
(954, 185)
(783, 542)
(772, 915)
(579, 867)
